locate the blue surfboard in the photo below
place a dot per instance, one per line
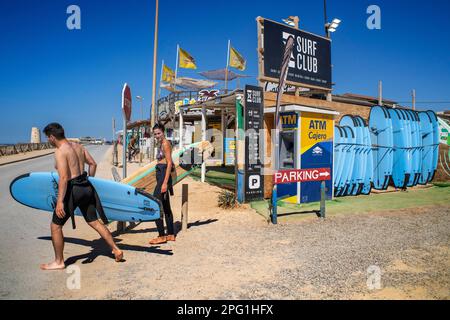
(435, 128)
(337, 160)
(341, 146)
(426, 130)
(399, 169)
(368, 157)
(408, 144)
(380, 127)
(415, 148)
(356, 180)
(120, 202)
(348, 161)
(363, 154)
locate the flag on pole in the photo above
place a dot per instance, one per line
(236, 60)
(185, 60)
(168, 74)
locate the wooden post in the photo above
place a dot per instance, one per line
(184, 207)
(203, 176)
(322, 199)
(224, 134)
(120, 227)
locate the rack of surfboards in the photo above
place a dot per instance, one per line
(396, 147)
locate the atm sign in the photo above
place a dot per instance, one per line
(289, 120)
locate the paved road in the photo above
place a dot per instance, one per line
(21, 250)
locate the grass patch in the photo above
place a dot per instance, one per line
(437, 195)
(218, 176)
(442, 184)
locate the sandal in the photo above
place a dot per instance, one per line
(158, 240)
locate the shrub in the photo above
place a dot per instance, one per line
(227, 200)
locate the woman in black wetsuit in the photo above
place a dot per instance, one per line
(163, 185)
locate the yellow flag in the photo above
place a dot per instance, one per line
(236, 60)
(185, 60)
(168, 74)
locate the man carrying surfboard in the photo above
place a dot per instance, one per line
(74, 190)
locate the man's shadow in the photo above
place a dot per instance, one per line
(100, 248)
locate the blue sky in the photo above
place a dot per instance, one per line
(49, 73)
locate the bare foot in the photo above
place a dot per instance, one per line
(170, 237)
(158, 240)
(52, 266)
(118, 254)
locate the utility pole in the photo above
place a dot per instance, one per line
(380, 93)
(414, 99)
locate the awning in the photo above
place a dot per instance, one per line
(219, 74)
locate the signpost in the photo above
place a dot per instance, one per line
(254, 114)
(126, 111)
(302, 175)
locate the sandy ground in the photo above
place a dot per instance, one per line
(235, 254)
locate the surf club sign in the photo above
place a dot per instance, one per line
(310, 63)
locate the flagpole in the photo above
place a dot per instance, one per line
(226, 69)
(176, 69)
(160, 80)
(155, 54)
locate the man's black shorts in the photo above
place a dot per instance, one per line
(83, 198)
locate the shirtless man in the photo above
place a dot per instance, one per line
(74, 190)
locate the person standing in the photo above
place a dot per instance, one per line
(163, 185)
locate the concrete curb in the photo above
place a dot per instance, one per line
(20, 160)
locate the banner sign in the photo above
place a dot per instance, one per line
(316, 151)
(310, 62)
(253, 119)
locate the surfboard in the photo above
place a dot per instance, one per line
(380, 127)
(184, 162)
(368, 157)
(408, 145)
(357, 171)
(348, 161)
(399, 173)
(426, 130)
(337, 161)
(415, 148)
(435, 128)
(342, 138)
(120, 202)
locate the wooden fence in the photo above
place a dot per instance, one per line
(23, 147)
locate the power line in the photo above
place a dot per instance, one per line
(424, 101)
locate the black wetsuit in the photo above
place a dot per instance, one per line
(80, 193)
(163, 197)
